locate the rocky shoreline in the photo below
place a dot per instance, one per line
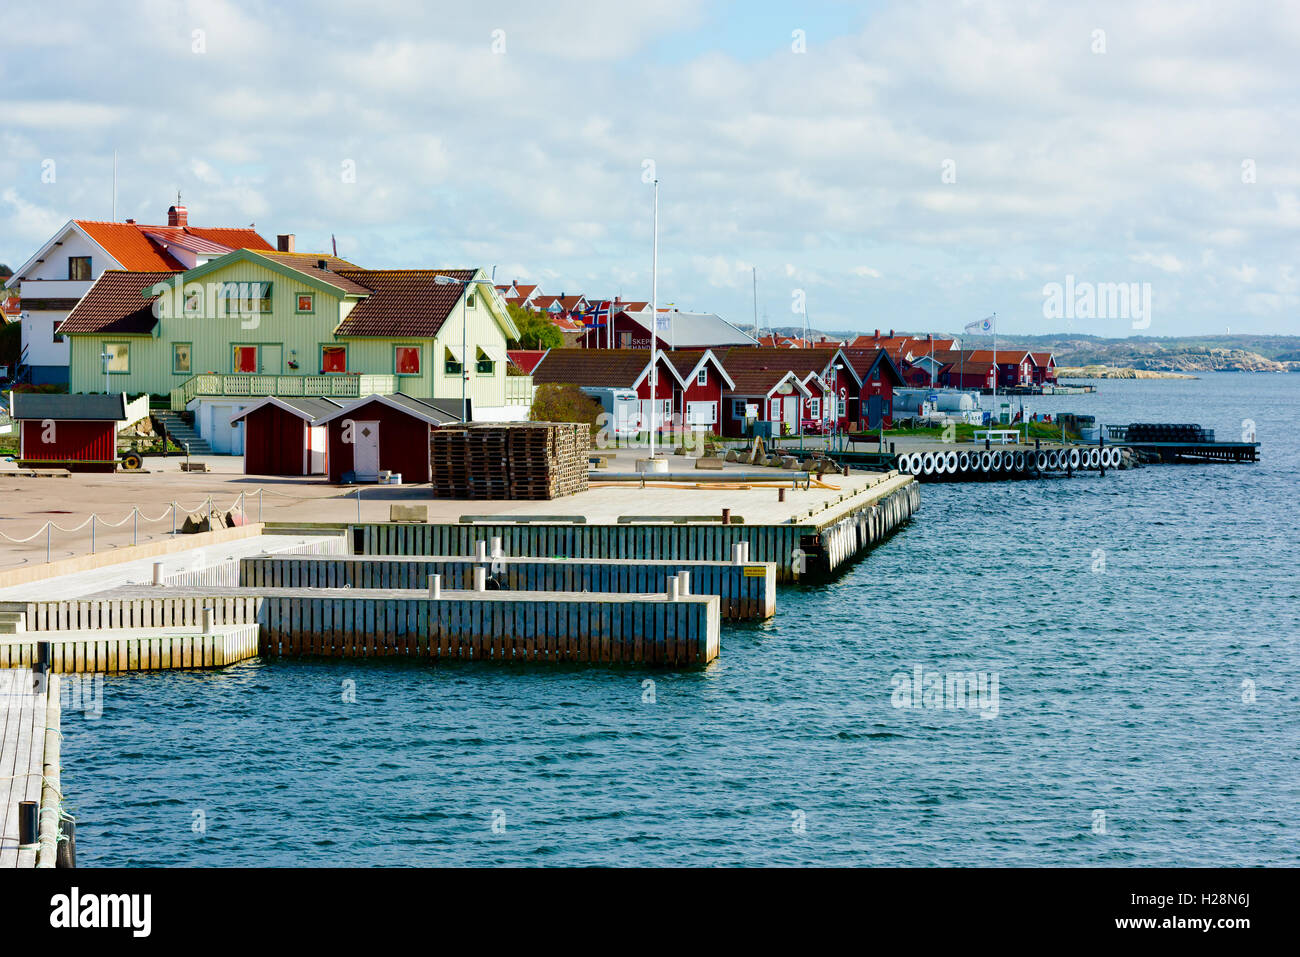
(1115, 372)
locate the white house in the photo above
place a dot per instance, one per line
(63, 270)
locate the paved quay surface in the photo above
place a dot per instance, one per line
(26, 504)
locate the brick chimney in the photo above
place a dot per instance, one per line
(891, 333)
(877, 334)
(284, 243)
(178, 216)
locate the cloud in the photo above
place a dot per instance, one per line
(517, 135)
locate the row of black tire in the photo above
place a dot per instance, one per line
(1161, 432)
(978, 462)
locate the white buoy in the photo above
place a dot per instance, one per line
(963, 461)
(995, 463)
(986, 461)
(1018, 461)
(927, 463)
(1073, 459)
(951, 458)
(940, 464)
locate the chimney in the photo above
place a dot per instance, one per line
(891, 333)
(178, 216)
(130, 222)
(284, 243)
(323, 265)
(877, 333)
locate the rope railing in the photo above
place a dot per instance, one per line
(135, 516)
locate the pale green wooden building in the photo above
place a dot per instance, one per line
(250, 324)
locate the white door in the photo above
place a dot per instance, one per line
(791, 417)
(222, 434)
(365, 448)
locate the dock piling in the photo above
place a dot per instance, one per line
(683, 583)
(28, 814)
(435, 586)
(674, 588)
(480, 578)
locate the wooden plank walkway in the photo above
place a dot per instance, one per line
(23, 720)
(747, 591)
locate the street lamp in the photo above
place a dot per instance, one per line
(105, 356)
(443, 280)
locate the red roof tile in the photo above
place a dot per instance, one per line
(130, 245)
(401, 302)
(116, 304)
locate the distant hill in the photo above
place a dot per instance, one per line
(1227, 353)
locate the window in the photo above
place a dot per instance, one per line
(333, 358)
(839, 408)
(118, 357)
(243, 359)
(245, 298)
(306, 302)
(79, 267)
(703, 377)
(737, 408)
(814, 408)
(180, 358)
(451, 363)
(406, 360)
(469, 300)
(875, 374)
(484, 365)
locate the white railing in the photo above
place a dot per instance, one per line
(520, 390)
(248, 384)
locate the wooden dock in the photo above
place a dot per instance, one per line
(132, 649)
(29, 730)
(813, 543)
(344, 622)
(746, 591)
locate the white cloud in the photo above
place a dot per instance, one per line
(1066, 161)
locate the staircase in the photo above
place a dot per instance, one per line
(181, 432)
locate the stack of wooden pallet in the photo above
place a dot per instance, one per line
(521, 460)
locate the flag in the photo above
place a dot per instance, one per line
(983, 326)
(593, 318)
(663, 323)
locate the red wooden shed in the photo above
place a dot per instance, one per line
(280, 437)
(384, 433)
(75, 432)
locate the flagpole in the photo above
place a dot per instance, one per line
(654, 322)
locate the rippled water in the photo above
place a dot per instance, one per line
(1119, 690)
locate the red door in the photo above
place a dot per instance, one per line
(245, 359)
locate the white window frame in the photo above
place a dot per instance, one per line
(702, 377)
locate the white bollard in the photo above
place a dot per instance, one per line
(207, 620)
(672, 588)
(435, 586)
(738, 553)
(683, 583)
(745, 552)
(497, 551)
(480, 578)
(480, 550)
(157, 573)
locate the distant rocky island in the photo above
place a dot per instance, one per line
(1115, 372)
(1130, 357)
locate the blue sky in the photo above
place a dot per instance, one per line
(896, 165)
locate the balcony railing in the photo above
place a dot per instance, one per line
(520, 390)
(330, 386)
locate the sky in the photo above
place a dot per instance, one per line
(916, 165)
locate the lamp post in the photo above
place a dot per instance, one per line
(104, 357)
(442, 280)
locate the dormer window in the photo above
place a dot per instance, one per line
(703, 377)
(79, 268)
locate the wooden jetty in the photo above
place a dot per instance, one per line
(807, 544)
(1175, 443)
(29, 767)
(533, 626)
(746, 590)
(500, 626)
(132, 649)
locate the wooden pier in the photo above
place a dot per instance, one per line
(815, 543)
(132, 649)
(344, 622)
(29, 772)
(746, 591)
(500, 626)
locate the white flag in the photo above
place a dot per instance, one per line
(663, 323)
(983, 326)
